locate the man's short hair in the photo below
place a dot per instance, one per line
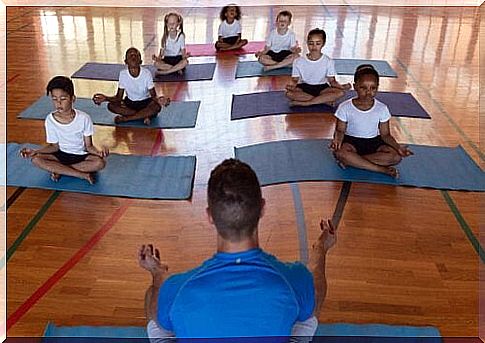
(234, 199)
(60, 82)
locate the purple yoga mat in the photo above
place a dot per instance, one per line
(111, 72)
(275, 102)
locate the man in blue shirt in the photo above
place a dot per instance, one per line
(241, 291)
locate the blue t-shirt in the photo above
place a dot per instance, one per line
(242, 294)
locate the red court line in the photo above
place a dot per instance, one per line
(159, 139)
(273, 83)
(13, 78)
(59, 274)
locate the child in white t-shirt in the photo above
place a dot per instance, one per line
(141, 101)
(362, 136)
(313, 75)
(69, 150)
(281, 47)
(229, 33)
(173, 56)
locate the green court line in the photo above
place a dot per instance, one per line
(449, 201)
(32, 224)
(464, 226)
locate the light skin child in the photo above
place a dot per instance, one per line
(329, 95)
(44, 158)
(116, 105)
(282, 24)
(230, 15)
(172, 24)
(386, 156)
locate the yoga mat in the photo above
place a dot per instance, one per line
(342, 67)
(341, 332)
(275, 102)
(145, 177)
(177, 115)
(312, 160)
(210, 50)
(111, 72)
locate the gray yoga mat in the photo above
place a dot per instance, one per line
(275, 102)
(144, 177)
(111, 72)
(343, 66)
(177, 115)
(311, 160)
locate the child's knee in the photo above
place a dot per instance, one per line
(99, 163)
(112, 107)
(36, 161)
(396, 158)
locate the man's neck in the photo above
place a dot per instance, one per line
(227, 246)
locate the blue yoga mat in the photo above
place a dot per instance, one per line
(340, 332)
(111, 72)
(311, 160)
(342, 67)
(144, 177)
(275, 102)
(175, 116)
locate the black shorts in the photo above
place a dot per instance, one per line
(137, 105)
(364, 146)
(279, 56)
(67, 159)
(313, 90)
(172, 60)
(230, 40)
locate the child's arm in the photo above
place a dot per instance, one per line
(334, 83)
(262, 52)
(384, 129)
(185, 53)
(49, 148)
(160, 55)
(338, 135)
(99, 98)
(88, 143)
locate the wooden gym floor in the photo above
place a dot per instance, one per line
(405, 256)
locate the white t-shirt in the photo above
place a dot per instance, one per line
(173, 47)
(363, 124)
(70, 137)
(136, 88)
(229, 30)
(277, 42)
(313, 72)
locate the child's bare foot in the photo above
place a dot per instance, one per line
(91, 178)
(119, 119)
(147, 121)
(55, 177)
(339, 163)
(392, 171)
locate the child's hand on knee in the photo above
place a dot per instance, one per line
(27, 152)
(99, 98)
(404, 151)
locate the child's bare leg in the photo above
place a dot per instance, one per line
(238, 45)
(91, 164)
(160, 65)
(266, 60)
(286, 62)
(385, 156)
(241, 43)
(179, 66)
(223, 46)
(51, 164)
(151, 110)
(120, 108)
(327, 96)
(298, 95)
(349, 157)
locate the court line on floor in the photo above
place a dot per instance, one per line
(15, 196)
(59, 274)
(300, 222)
(30, 226)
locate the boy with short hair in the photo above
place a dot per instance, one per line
(141, 101)
(69, 150)
(281, 46)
